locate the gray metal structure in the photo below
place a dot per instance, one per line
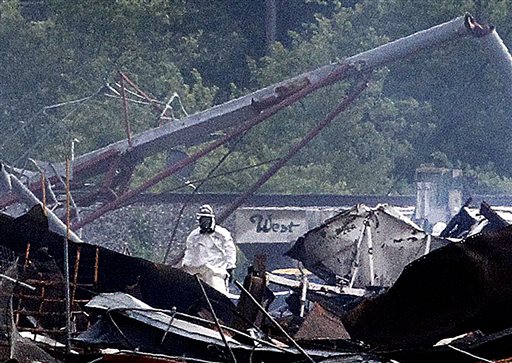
(118, 160)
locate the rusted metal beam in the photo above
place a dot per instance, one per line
(96, 266)
(151, 100)
(75, 274)
(123, 199)
(66, 260)
(197, 128)
(111, 173)
(351, 97)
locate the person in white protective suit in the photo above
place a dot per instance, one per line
(210, 251)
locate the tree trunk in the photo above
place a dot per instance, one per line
(270, 22)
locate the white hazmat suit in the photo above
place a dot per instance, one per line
(210, 254)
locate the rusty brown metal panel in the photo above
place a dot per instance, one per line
(321, 324)
(256, 283)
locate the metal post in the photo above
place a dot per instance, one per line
(75, 207)
(215, 319)
(369, 241)
(351, 97)
(262, 309)
(43, 188)
(173, 315)
(304, 283)
(428, 244)
(11, 329)
(66, 265)
(356, 262)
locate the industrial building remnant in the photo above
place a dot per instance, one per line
(456, 289)
(363, 246)
(435, 297)
(95, 269)
(459, 290)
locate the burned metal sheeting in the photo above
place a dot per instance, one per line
(363, 246)
(314, 288)
(456, 289)
(321, 324)
(469, 221)
(126, 322)
(465, 348)
(335, 298)
(131, 356)
(129, 319)
(461, 223)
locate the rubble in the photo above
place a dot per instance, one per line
(146, 308)
(363, 246)
(151, 287)
(469, 221)
(150, 312)
(392, 290)
(459, 288)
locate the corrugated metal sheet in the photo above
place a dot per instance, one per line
(365, 246)
(135, 309)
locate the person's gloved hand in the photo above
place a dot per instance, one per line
(230, 274)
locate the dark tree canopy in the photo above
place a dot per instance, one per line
(445, 106)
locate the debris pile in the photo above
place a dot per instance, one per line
(390, 291)
(450, 302)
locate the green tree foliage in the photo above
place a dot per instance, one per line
(73, 54)
(460, 81)
(443, 105)
(365, 149)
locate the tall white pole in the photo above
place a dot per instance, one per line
(370, 253)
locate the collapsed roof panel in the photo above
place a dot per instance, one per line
(453, 290)
(140, 311)
(127, 322)
(102, 270)
(363, 246)
(470, 221)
